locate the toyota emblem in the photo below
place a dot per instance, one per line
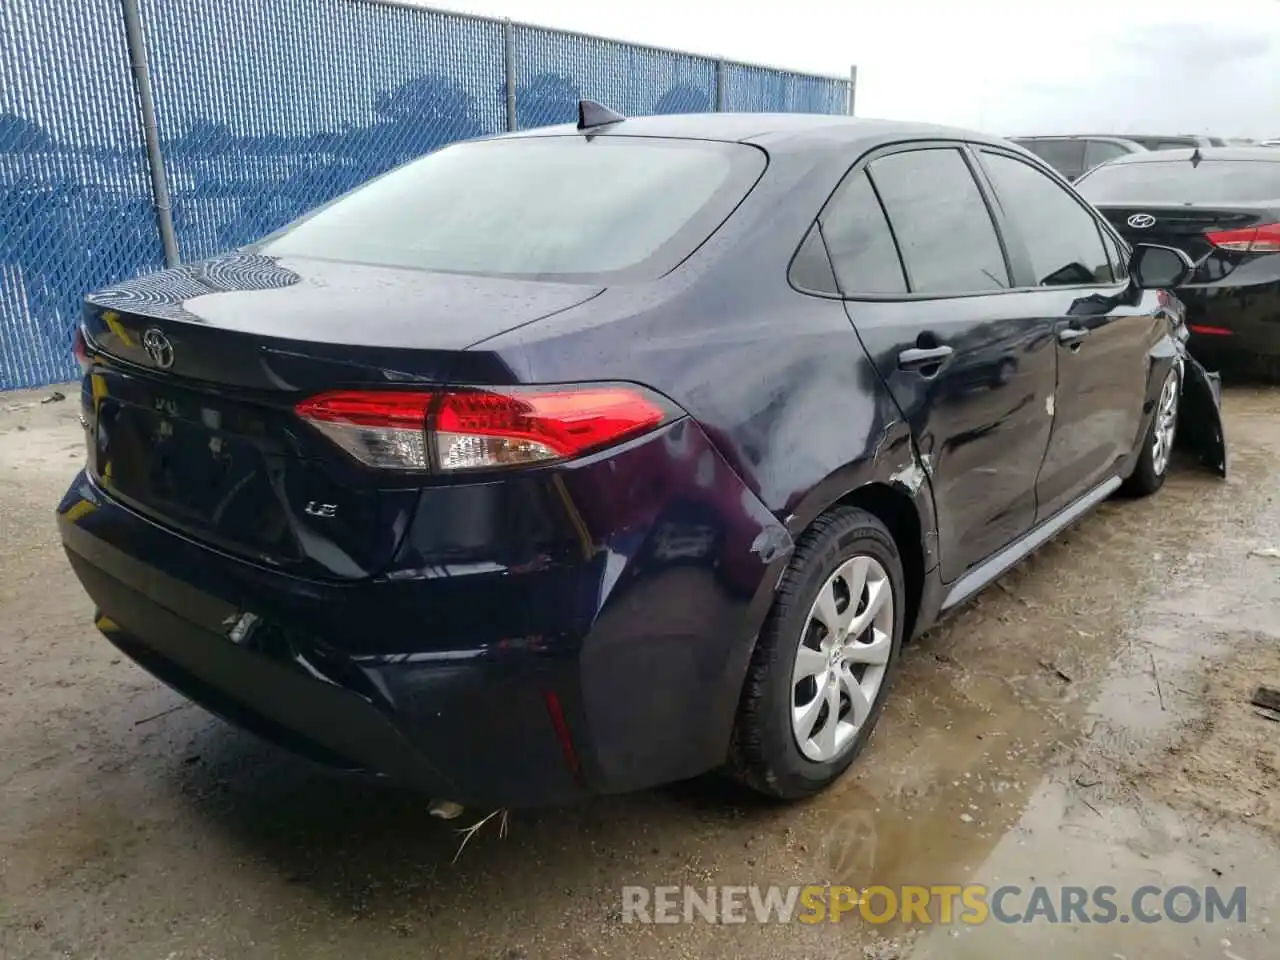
(158, 348)
(1140, 221)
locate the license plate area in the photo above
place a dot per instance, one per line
(193, 474)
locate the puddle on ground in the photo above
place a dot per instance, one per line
(969, 801)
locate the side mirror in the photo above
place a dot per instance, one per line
(1154, 267)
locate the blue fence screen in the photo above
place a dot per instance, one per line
(265, 109)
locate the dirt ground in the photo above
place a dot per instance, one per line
(1086, 720)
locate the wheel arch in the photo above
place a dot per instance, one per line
(895, 488)
(752, 751)
(893, 506)
(891, 484)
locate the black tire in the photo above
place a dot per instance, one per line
(764, 754)
(1147, 476)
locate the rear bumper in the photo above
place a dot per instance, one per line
(456, 729)
(1230, 322)
(615, 671)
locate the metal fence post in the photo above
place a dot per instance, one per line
(853, 86)
(720, 86)
(147, 108)
(509, 65)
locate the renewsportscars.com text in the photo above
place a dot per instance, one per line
(937, 903)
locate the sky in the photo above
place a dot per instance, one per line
(1088, 66)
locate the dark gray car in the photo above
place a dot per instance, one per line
(1075, 154)
(1071, 155)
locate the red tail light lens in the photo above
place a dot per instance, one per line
(80, 350)
(1260, 239)
(483, 428)
(490, 429)
(377, 427)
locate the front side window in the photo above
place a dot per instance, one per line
(943, 228)
(559, 207)
(1061, 236)
(1119, 253)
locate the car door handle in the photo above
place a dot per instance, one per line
(918, 358)
(1071, 335)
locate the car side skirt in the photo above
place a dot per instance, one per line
(991, 568)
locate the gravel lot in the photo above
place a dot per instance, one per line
(1086, 720)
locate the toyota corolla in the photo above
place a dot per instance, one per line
(599, 456)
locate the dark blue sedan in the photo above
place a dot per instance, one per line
(595, 457)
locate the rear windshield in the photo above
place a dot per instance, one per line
(561, 207)
(1177, 181)
(1062, 155)
(1168, 143)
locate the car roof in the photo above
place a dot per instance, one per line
(1075, 136)
(1206, 153)
(772, 130)
(1134, 138)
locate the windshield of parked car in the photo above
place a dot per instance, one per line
(558, 207)
(1178, 182)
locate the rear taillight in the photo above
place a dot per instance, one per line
(483, 428)
(1260, 239)
(491, 429)
(80, 350)
(378, 428)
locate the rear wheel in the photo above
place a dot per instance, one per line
(823, 663)
(1157, 446)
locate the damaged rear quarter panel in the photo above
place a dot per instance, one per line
(1200, 425)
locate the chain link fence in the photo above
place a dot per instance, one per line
(264, 109)
(75, 202)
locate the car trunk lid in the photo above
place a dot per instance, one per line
(194, 374)
(1187, 228)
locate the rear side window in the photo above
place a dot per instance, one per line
(862, 250)
(1061, 237)
(1178, 182)
(1100, 151)
(560, 207)
(948, 242)
(811, 267)
(1065, 156)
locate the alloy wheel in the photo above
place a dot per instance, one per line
(842, 658)
(1166, 425)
